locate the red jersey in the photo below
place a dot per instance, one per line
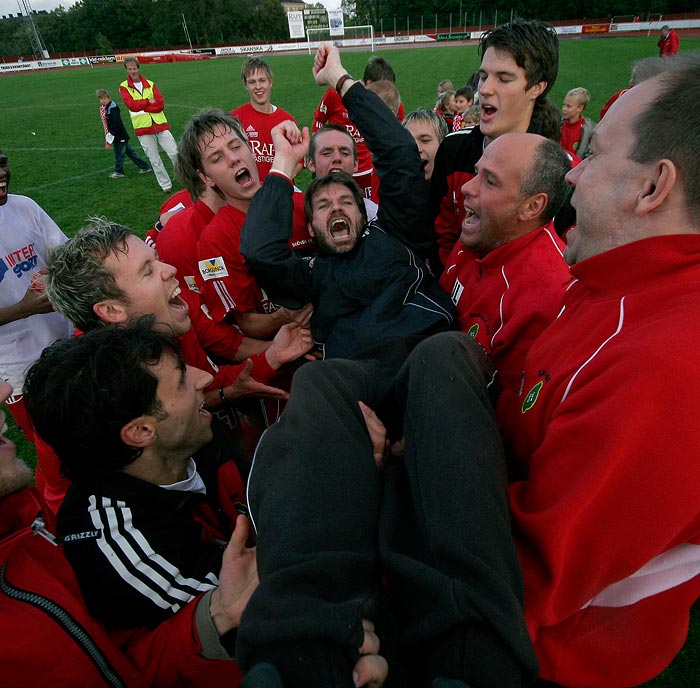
(332, 111)
(571, 135)
(178, 201)
(505, 299)
(177, 241)
(222, 276)
(258, 127)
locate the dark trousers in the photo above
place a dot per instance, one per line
(330, 525)
(122, 148)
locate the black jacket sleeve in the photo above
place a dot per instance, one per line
(284, 275)
(403, 192)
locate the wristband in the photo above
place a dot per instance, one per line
(341, 81)
(221, 394)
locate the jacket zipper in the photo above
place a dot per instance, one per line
(63, 618)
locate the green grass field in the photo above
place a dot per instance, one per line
(51, 131)
(50, 127)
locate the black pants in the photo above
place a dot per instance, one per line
(329, 524)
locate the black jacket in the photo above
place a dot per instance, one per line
(115, 126)
(382, 288)
(140, 552)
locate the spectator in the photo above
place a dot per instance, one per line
(146, 105)
(388, 92)
(641, 70)
(464, 99)
(669, 42)
(116, 136)
(444, 85)
(576, 130)
(445, 107)
(471, 117)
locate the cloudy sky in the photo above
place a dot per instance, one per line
(11, 6)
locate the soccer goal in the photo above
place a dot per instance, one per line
(352, 36)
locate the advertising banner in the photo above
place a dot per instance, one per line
(336, 23)
(296, 24)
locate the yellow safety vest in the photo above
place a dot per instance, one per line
(142, 119)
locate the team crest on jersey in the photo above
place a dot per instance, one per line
(323, 108)
(532, 396)
(473, 330)
(213, 268)
(250, 132)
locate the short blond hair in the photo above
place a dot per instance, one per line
(581, 94)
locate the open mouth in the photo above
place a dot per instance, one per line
(175, 301)
(488, 111)
(340, 228)
(243, 177)
(203, 412)
(470, 217)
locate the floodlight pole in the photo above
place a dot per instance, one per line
(38, 48)
(187, 33)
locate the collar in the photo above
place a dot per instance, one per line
(146, 83)
(504, 253)
(633, 267)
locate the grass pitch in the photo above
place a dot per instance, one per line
(51, 130)
(50, 126)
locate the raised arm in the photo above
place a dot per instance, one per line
(265, 235)
(403, 194)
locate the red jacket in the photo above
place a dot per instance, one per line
(505, 299)
(606, 510)
(142, 104)
(47, 630)
(668, 44)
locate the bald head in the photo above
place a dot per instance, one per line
(518, 187)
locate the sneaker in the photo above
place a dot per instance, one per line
(170, 190)
(146, 171)
(117, 175)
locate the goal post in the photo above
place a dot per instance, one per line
(353, 36)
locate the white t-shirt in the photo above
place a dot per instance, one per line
(26, 232)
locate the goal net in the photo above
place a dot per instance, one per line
(352, 36)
